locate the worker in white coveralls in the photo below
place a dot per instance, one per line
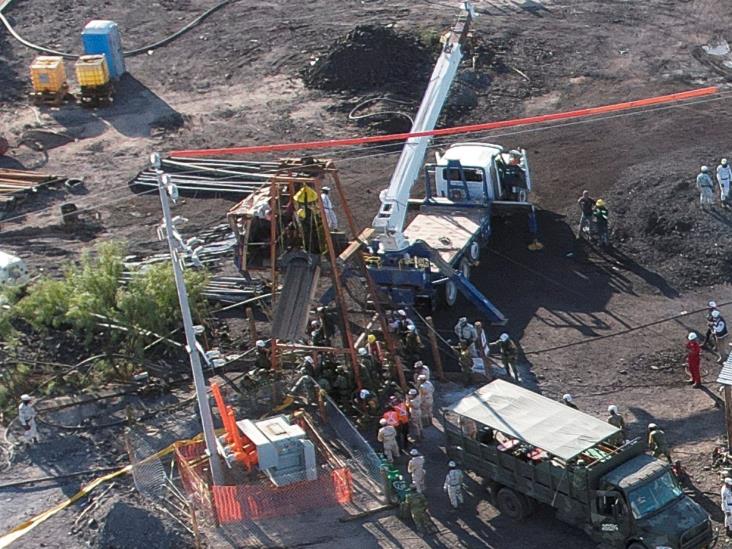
(27, 419)
(414, 405)
(454, 485)
(706, 188)
(328, 207)
(724, 178)
(727, 505)
(388, 437)
(415, 468)
(466, 332)
(426, 395)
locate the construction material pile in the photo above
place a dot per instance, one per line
(15, 185)
(657, 222)
(372, 57)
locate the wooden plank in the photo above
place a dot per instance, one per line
(355, 245)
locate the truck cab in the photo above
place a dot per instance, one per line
(641, 503)
(481, 173)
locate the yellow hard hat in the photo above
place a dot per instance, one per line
(371, 338)
(301, 213)
(600, 202)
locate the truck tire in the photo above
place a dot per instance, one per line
(449, 293)
(511, 504)
(465, 267)
(474, 251)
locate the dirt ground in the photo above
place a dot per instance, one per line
(236, 79)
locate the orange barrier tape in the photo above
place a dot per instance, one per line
(581, 113)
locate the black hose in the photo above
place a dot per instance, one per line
(131, 53)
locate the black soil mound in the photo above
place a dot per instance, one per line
(656, 219)
(372, 57)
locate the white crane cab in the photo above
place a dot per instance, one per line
(480, 173)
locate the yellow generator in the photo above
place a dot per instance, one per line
(92, 72)
(48, 76)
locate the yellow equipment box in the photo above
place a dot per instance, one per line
(92, 71)
(48, 74)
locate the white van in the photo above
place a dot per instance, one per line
(13, 270)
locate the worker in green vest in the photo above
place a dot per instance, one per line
(657, 442)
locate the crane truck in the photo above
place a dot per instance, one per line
(466, 185)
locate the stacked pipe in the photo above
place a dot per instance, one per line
(222, 289)
(202, 176)
(16, 184)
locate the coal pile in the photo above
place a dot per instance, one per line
(373, 57)
(656, 220)
(129, 527)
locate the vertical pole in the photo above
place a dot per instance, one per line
(728, 413)
(273, 192)
(209, 436)
(373, 290)
(435, 349)
(252, 325)
(335, 272)
(481, 351)
(194, 524)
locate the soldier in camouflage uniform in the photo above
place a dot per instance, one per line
(616, 420)
(657, 442)
(466, 362)
(417, 504)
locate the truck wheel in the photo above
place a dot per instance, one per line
(450, 293)
(465, 267)
(511, 504)
(474, 251)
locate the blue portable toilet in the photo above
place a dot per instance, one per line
(102, 37)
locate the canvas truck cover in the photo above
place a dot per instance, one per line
(534, 419)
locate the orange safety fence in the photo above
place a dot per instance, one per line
(193, 476)
(256, 502)
(472, 128)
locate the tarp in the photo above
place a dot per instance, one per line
(534, 419)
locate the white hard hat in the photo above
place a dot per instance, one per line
(715, 313)
(320, 309)
(422, 378)
(402, 312)
(364, 394)
(612, 409)
(724, 162)
(691, 336)
(382, 421)
(704, 169)
(25, 397)
(260, 343)
(652, 425)
(503, 337)
(452, 464)
(414, 452)
(412, 392)
(325, 189)
(309, 359)
(418, 364)
(728, 480)
(314, 323)
(412, 328)
(712, 304)
(362, 351)
(567, 397)
(463, 319)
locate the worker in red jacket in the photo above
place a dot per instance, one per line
(693, 359)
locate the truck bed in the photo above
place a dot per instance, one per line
(448, 231)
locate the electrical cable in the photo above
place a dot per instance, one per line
(353, 117)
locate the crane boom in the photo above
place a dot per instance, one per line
(389, 222)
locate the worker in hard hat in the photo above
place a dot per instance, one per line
(454, 485)
(414, 406)
(616, 420)
(600, 215)
(693, 359)
(416, 502)
(330, 215)
(426, 395)
(402, 414)
(711, 307)
(411, 344)
(465, 331)
(719, 334)
(308, 366)
(415, 468)
(586, 204)
(727, 505)
(706, 188)
(569, 401)
(420, 369)
(465, 361)
(724, 179)
(27, 419)
(262, 360)
(657, 442)
(387, 435)
(509, 352)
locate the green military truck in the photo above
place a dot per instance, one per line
(530, 449)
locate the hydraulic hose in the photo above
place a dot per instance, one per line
(131, 53)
